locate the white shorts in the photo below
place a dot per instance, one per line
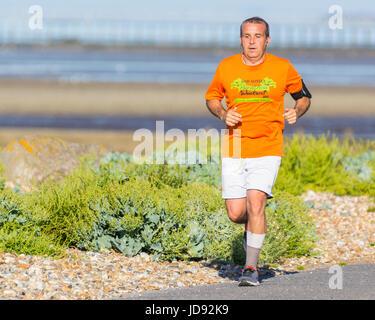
(241, 174)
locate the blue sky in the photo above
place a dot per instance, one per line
(291, 11)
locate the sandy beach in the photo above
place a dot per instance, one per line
(63, 98)
(58, 98)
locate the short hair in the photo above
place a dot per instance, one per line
(256, 20)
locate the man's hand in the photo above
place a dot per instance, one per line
(232, 118)
(302, 105)
(290, 115)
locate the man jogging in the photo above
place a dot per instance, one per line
(253, 83)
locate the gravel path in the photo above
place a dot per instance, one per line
(345, 227)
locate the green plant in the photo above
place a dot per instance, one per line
(328, 164)
(21, 231)
(300, 268)
(290, 229)
(175, 211)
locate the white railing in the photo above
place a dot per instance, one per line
(183, 34)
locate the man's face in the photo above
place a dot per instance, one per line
(253, 40)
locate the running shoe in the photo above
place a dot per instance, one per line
(249, 277)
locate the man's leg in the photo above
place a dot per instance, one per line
(237, 210)
(250, 210)
(259, 182)
(237, 213)
(256, 225)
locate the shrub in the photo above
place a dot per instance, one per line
(290, 229)
(21, 231)
(327, 164)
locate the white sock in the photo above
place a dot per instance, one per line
(254, 245)
(255, 240)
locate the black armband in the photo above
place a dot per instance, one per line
(303, 93)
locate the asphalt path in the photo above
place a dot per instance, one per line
(351, 282)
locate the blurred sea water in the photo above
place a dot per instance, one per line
(167, 66)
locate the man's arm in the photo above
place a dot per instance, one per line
(216, 108)
(300, 108)
(231, 117)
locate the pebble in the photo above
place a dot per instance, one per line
(342, 238)
(344, 228)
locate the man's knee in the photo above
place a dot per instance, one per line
(237, 216)
(256, 209)
(256, 205)
(237, 213)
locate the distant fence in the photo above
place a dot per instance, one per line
(183, 34)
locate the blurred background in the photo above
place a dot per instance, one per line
(95, 71)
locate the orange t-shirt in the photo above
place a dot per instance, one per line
(258, 93)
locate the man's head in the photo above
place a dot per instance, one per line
(254, 37)
(256, 20)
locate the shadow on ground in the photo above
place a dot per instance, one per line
(233, 271)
